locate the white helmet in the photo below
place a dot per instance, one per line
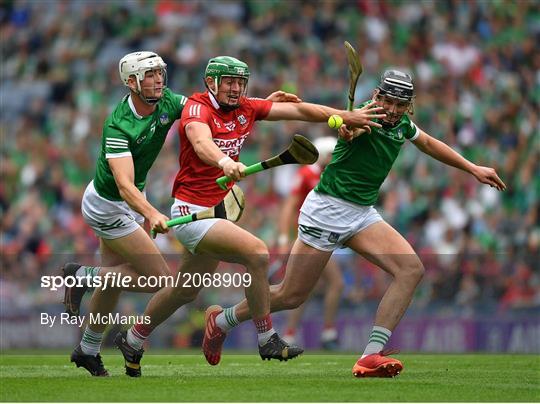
(137, 64)
(325, 145)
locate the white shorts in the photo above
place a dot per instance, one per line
(109, 219)
(327, 223)
(190, 234)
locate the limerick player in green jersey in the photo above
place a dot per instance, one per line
(339, 212)
(114, 203)
(115, 206)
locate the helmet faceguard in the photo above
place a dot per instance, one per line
(226, 66)
(398, 87)
(137, 64)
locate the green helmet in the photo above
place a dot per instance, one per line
(226, 66)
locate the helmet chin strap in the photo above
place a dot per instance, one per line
(388, 124)
(227, 107)
(224, 107)
(392, 123)
(148, 101)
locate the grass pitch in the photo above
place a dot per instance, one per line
(245, 378)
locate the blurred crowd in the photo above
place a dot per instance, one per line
(476, 66)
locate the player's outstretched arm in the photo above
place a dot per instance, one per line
(488, 175)
(305, 111)
(282, 96)
(444, 153)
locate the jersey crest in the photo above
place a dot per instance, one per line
(242, 119)
(164, 119)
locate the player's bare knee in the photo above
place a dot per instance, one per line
(153, 289)
(258, 257)
(162, 271)
(184, 295)
(293, 300)
(412, 271)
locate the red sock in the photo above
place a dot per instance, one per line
(263, 324)
(142, 331)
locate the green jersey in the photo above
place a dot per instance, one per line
(126, 133)
(358, 169)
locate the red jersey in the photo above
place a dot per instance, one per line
(196, 181)
(304, 181)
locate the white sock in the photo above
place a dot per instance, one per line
(91, 342)
(263, 337)
(134, 340)
(377, 340)
(227, 320)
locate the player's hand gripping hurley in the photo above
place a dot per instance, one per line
(230, 208)
(300, 151)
